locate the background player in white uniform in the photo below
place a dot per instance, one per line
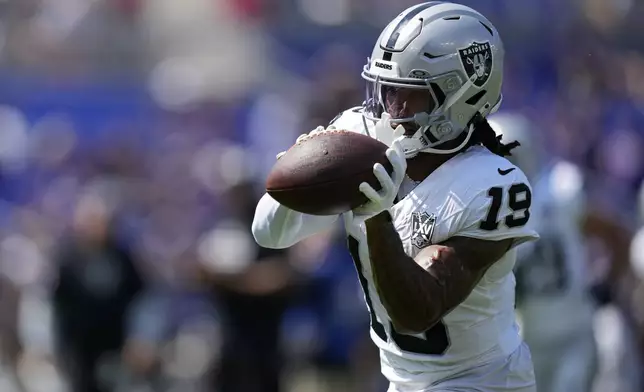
(553, 285)
(443, 317)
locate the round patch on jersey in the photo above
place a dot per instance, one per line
(477, 60)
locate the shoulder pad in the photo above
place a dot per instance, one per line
(350, 120)
(479, 169)
(491, 198)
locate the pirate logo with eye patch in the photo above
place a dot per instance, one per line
(477, 62)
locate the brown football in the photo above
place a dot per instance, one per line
(320, 175)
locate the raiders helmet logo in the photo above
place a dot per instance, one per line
(477, 60)
(422, 229)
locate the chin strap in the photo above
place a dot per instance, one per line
(410, 146)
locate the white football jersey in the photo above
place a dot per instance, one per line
(552, 275)
(475, 194)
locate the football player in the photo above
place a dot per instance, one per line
(553, 285)
(435, 247)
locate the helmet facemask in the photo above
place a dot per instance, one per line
(418, 104)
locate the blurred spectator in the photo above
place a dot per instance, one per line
(97, 282)
(10, 296)
(142, 99)
(252, 287)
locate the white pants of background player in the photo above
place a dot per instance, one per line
(511, 374)
(619, 362)
(567, 365)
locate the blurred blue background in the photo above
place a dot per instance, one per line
(154, 122)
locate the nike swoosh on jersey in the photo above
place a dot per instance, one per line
(506, 171)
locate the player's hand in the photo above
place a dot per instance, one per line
(304, 136)
(384, 131)
(390, 184)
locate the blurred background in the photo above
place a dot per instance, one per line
(135, 136)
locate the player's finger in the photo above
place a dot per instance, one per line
(347, 217)
(400, 152)
(399, 132)
(369, 192)
(398, 163)
(396, 151)
(384, 178)
(396, 146)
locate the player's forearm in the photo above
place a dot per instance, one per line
(402, 284)
(276, 227)
(415, 297)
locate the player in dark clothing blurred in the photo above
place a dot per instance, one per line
(97, 283)
(252, 299)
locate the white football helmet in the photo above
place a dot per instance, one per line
(451, 52)
(513, 126)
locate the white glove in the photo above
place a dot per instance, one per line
(305, 135)
(384, 199)
(385, 133)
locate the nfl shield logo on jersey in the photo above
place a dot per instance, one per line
(422, 229)
(477, 60)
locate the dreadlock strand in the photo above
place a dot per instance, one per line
(506, 149)
(489, 139)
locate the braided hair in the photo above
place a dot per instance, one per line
(484, 135)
